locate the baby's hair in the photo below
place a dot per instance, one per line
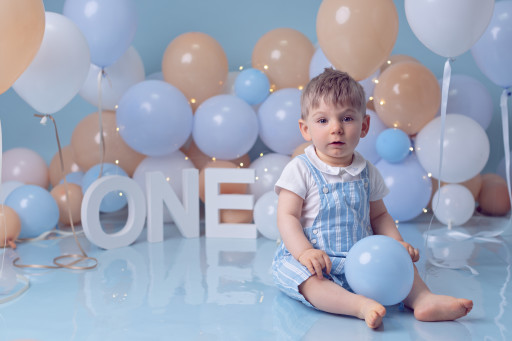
(335, 88)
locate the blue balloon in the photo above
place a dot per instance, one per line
(493, 50)
(252, 86)
(154, 118)
(393, 145)
(279, 116)
(108, 26)
(74, 178)
(113, 201)
(225, 127)
(368, 145)
(410, 187)
(318, 63)
(36, 208)
(380, 268)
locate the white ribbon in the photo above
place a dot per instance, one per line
(506, 147)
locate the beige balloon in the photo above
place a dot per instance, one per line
(10, 226)
(73, 206)
(395, 59)
(225, 188)
(493, 198)
(197, 65)
(357, 36)
(236, 216)
(55, 167)
(22, 25)
(284, 55)
(85, 143)
(300, 149)
(407, 96)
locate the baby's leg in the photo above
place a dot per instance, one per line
(330, 297)
(431, 307)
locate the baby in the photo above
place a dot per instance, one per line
(331, 197)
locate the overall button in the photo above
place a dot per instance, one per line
(325, 190)
(313, 241)
(315, 231)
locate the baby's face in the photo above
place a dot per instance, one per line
(335, 131)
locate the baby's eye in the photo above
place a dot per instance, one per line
(347, 119)
(322, 120)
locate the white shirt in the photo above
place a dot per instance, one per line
(297, 178)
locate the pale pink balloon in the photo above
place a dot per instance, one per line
(25, 165)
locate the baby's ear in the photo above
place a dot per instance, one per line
(304, 130)
(366, 125)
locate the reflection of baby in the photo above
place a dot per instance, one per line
(331, 197)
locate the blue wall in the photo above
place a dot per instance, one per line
(236, 25)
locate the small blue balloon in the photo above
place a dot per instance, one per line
(113, 201)
(278, 117)
(380, 268)
(393, 145)
(36, 208)
(252, 86)
(154, 118)
(225, 127)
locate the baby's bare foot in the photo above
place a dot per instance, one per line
(372, 312)
(441, 308)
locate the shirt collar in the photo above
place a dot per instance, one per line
(354, 169)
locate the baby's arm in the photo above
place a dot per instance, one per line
(289, 210)
(383, 223)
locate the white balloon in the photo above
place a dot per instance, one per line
(268, 169)
(453, 204)
(171, 166)
(448, 27)
(125, 72)
(466, 148)
(265, 215)
(59, 68)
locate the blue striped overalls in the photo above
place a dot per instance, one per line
(342, 220)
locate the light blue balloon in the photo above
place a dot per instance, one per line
(36, 208)
(380, 268)
(469, 97)
(113, 201)
(74, 178)
(279, 116)
(225, 127)
(252, 86)
(393, 145)
(368, 145)
(493, 50)
(318, 63)
(410, 188)
(108, 26)
(154, 118)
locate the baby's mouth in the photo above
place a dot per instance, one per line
(337, 143)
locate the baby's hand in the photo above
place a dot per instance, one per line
(315, 260)
(413, 252)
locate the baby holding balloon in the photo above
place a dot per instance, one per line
(329, 198)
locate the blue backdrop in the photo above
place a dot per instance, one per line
(237, 26)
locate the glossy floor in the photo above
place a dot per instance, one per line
(221, 289)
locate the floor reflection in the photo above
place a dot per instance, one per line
(221, 289)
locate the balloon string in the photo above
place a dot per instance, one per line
(79, 258)
(444, 103)
(506, 145)
(101, 74)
